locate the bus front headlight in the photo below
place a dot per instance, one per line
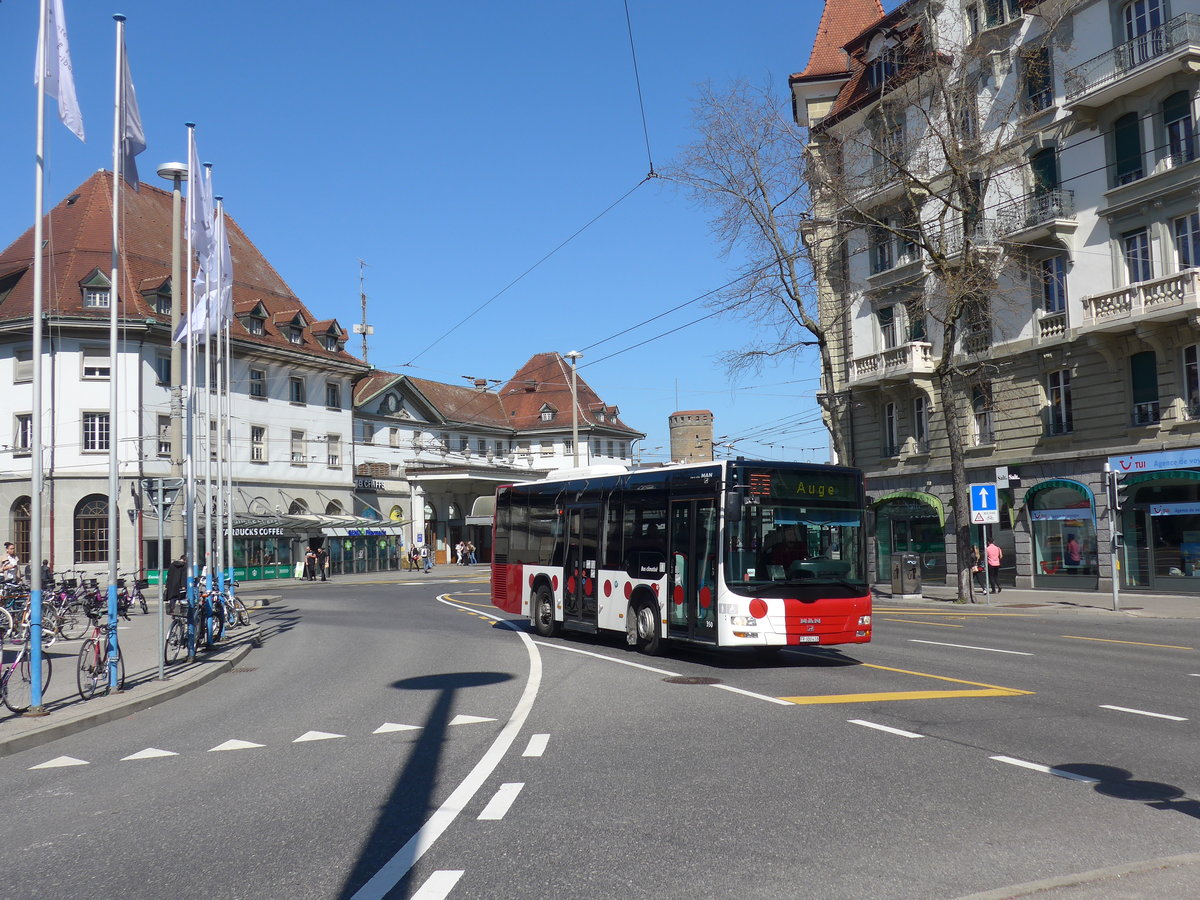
(748, 621)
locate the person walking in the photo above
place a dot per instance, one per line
(323, 563)
(414, 559)
(176, 587)
(10, 565)
(426, 559)
(977, 569)
(471, 553)
(310, 564)
(994, 555)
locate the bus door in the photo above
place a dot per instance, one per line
(692, 570)
(579, 567)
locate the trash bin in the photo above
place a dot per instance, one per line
(906, 573)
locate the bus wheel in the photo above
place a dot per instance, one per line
(649, 636)
(543, 613)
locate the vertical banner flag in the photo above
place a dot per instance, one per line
(200, 238)
(220, 310)
(133, 136)
(56, 76)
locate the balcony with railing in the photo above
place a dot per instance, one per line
(1135, 64)
(1148, 413)
(955, 240)
(1052, 326)
(1173, 297)
(1042, 214)
(894, 364)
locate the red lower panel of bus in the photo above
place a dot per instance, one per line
(830, 621)
(506, 587)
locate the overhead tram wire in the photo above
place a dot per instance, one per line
(641, 103)
(512, 283)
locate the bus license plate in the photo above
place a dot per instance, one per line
(810, 638)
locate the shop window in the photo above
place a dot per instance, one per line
(1063, 531)
(1143, 375)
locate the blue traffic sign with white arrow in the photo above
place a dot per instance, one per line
(985, 506)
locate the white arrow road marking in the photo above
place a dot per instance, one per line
(387, 727)
(469, 720)
(234, 745)
(438, 885)
(59, 761)
(317, 736)
(537, 745)
(1038, 767)
(1142, 712)
(501, 801)
(887, 728)
(149, 753)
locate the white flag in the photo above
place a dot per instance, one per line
(220, 310)
(200, 204)
(57, 78)
(133, 136)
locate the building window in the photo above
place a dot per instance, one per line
(258, 443)
(882, 258)
(973, 22)
(95, 431)
(95, 362)
(1142, 16)
(333, 452)
(568, 447)
(1037, 78)
(1177, 121)
(22, 515)
(299, 448)
(547, 415)
(1054, 283)
(481, 446)
(887, 327)
(331, 343)
(162, 368)
(213, 439)
(1127, 148)
(393, 437)
(921, 423)
(1191, 380)
(162, 304)
(981, 412)
(463, 443)
(1058, 392)
(612, 450)
(884, 67)
(890, 431)
(91, 529)
(1136, 247)
(333, 395)
(296, 393)
(1143, 376)
(164, 437)
(22, 364)
(258, 383)
(96, 298)
(1187, 241)
(23, 433)
(296, 335)
(253, 324)
(998, 12)
(298, 507)
(368, 432)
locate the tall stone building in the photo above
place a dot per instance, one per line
(691, 435)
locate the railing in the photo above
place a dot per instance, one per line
(1035, 209)
(1117, 62)
(1052, 325)
(952, 241)
(914, 357)
(1143, 297)
(1146, 413)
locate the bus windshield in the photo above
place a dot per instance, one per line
(779, 545)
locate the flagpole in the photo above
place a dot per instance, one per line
(194, 186)
(37, 487)
(114, 481)
(229, 456)
(222, 402)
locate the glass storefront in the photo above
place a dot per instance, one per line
(910, 523)
(1063, 528)
(1161, 524)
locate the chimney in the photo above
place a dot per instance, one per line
(530, 387)
(481, 384)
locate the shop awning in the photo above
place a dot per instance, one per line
(920, 496)
(300, 526)
(1173, 474)
(483, 510)
(1049, 483)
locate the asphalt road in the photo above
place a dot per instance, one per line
(409, 744)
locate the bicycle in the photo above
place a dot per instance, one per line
(16, 684)
(93, 670)
(70, 608)
(127, 597)
(176, 645)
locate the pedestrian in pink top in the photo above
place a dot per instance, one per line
(994, 555)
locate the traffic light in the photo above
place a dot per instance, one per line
(1116, 491)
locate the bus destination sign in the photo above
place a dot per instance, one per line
(782, 484)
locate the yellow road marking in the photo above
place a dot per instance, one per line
(919, 622)
(994, 687)
(454, 597)
(1076, 637)
(900, 695)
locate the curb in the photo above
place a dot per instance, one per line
(72, 721)
(1094, 877)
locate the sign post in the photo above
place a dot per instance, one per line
(985, 510)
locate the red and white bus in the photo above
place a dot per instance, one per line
(732, 553)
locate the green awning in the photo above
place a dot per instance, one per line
(1173, 474)
(920, 496)
(1060, 483)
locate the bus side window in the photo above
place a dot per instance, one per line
(612, 536)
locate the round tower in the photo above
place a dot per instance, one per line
(691, 435)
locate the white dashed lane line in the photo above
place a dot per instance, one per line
(1142, 712)
(969, 647)
(537, 745)
(887, 728)
(438, 885)
(501, 801)
(1038, 767)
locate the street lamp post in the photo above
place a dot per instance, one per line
(176, 173)
(574, 355)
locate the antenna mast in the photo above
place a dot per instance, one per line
(364, 329)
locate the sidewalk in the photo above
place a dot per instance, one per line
(1158, 606)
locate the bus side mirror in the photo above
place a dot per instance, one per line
(733, 507)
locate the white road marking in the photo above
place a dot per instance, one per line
(887, 728)
(1037, 767)
(537, 745)
(59, 762)
(406, 857)
(469, 720)
(234, 745)
(438, 885)
(501, 801)
(726, 687)
(317, 736)
(387, 727)
(1142, 712)
(149, 753)
(612, 659)
(969, 647)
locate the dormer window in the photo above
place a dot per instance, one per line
(884, 67)
(97, 291)
(548, 413)
(253, 324)
(295, 335)
(331, 343)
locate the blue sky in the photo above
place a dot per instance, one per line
(452, 147)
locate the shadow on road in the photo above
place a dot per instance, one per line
(1121, 785)
(411, 800)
